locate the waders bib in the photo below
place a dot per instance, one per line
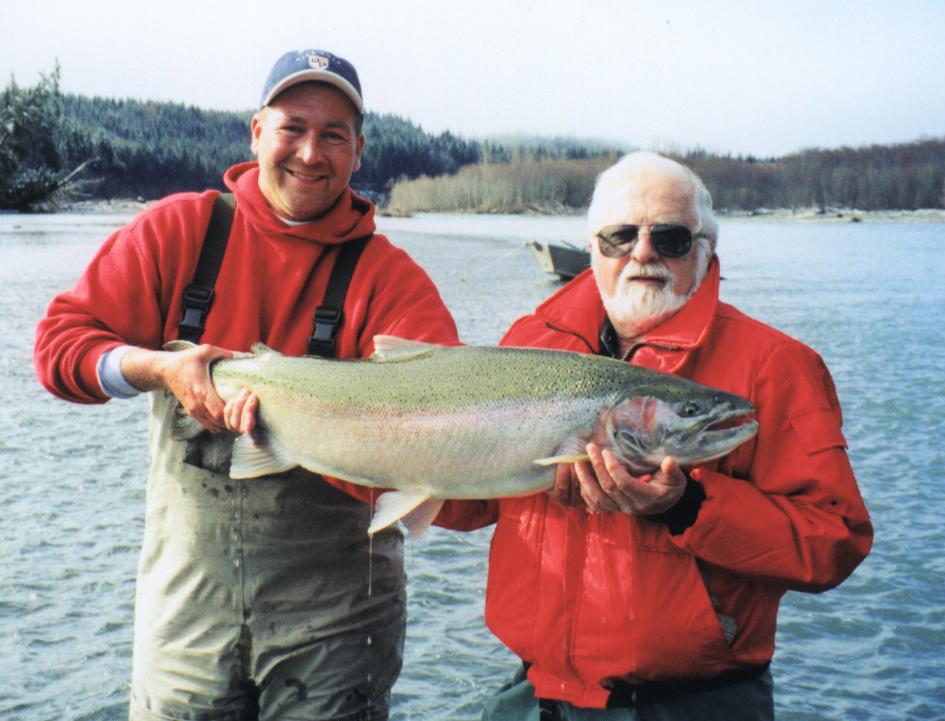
(260, 598)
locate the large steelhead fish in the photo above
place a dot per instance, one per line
(437, 422)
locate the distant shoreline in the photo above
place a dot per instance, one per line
(836, 215)
(131, 206)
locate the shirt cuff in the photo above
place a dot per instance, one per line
(110, 377)
(684, 513)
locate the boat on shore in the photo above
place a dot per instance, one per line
(562, 259)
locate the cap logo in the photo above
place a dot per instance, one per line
(318, 62)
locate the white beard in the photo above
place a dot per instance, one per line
(635, 308)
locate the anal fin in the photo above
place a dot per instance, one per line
(417, 511)
(258, 455)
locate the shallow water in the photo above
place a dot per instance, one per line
(869, 297)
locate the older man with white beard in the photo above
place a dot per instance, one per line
(656, 597)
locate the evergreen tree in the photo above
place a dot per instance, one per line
(36, 145)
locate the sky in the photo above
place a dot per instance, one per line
(763, 78)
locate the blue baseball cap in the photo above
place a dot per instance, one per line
(300, 66)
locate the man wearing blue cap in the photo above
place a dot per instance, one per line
(258, 599)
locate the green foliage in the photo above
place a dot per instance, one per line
(149, 149)
(396, 148)
(36, 144)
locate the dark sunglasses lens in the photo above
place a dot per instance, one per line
(671, 241)
(617, 240)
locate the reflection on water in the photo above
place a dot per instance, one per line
(869, 297)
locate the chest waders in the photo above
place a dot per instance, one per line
(261, 598)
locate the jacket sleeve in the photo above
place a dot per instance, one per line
(123, 297)
(114, 302)
(798, 519)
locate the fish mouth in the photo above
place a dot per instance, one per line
(732, 419)
(726, 428)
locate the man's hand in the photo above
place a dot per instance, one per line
(567, 488)
(186, 374)
(607, 486)
(239, 415)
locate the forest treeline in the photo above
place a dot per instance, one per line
(55, 146)
(906, 176)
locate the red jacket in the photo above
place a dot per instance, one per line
(272, 278)
(589, 598)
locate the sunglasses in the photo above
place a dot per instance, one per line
(670, 240)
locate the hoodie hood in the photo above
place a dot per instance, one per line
(350, 217)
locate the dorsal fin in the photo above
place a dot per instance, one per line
(260, 348)
(390, 349)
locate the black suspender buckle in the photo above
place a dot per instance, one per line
(322, 342)
(199, 298)
(197, 302)
(329, 316)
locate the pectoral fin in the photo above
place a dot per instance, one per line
(571, 450)
(259, 455)
(417, 511)
(183, 426)
(554, 460)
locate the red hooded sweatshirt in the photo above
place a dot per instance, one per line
(272, 278)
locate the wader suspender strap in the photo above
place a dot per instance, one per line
(328, 314)
(198, 297)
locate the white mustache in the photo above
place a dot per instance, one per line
(644, 270)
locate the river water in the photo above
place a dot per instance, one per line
(869, 297)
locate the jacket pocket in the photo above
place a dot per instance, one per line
(645, 613)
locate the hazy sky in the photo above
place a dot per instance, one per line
(744, 77)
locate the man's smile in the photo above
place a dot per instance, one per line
(304, 176)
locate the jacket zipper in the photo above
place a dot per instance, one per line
(627, 356)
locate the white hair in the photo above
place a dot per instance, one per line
(614, 186)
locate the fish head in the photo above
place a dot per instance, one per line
(679, 418)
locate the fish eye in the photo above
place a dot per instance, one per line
(690, 409)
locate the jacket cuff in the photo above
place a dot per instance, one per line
(684, 513)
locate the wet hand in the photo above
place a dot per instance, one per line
(239, 414)
(607, 486)
(186, 374)
(567, 489)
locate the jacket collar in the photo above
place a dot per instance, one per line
(577, 309)
(351, 217)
